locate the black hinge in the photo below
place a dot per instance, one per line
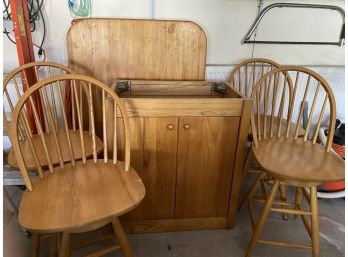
(123, 86)
(219, 87)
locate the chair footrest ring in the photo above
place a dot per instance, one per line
(285, 244)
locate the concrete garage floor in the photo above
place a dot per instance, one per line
(207, 243)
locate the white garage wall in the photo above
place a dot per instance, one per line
(225, 23)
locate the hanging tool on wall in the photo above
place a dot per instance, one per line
(246, 39)
(259, 8)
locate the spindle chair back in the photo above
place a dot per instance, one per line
(81, 88)
(46, 104)
(275, 97)
(245, 75)
(20, 79)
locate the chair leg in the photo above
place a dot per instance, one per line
(65, 246)
(121, 235)
(263, 189)
(54, 248)
(283, 198)
(314, 222)
(36, 245)
(298, 199)
(261, 222)
(251, 191)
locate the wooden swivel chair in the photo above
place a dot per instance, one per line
(82, 195)
(289, 159)
(29, 74)
(243, 78)
(14, 84)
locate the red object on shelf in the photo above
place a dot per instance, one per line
(25, 52)
(336, 186)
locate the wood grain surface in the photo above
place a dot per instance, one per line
(164, 107)
(146, 226)
(238, 170)
(206, 151)
(291, 159)
(107, 49)
(182, 148)
(286, 155)
(78, 196)
(158, 170)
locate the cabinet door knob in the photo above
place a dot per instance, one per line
(187, 126)
(170, 127)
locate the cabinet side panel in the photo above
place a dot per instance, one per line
(206, 151)
(239, 162)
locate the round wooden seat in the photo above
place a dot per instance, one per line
(292, 159)
(74, 197)
(63, 140)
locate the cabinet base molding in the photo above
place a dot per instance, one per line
(148, 226)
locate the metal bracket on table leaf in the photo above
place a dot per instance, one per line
(219, 87)
(123, 86)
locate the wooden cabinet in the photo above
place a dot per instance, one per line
(206, 148)
(187, 140)
(185, 164)
(184, 150)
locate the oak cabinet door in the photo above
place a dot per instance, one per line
(154, 157)
(206, 151)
